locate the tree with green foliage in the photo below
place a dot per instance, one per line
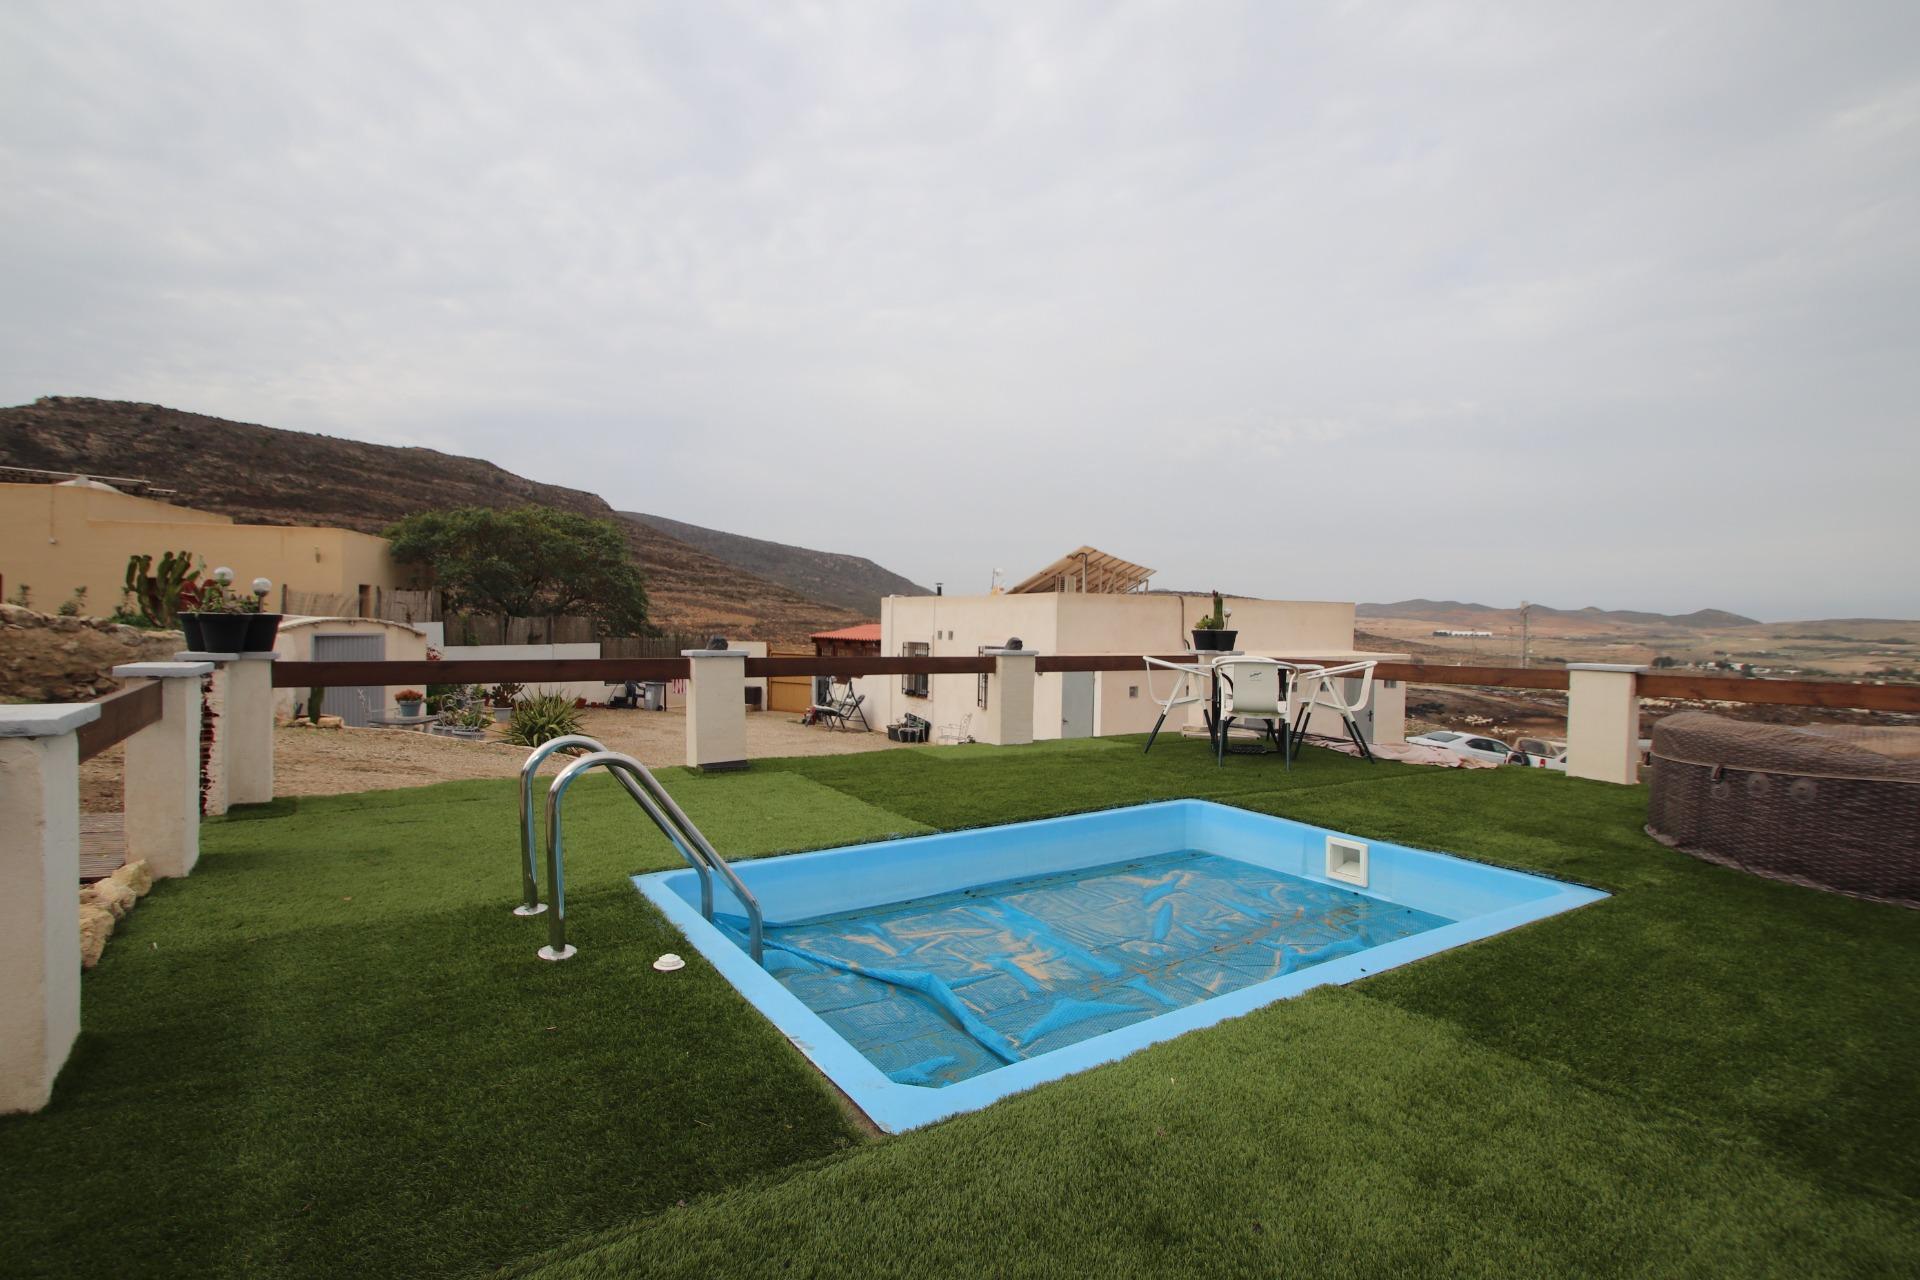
(527, 562)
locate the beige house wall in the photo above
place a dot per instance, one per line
(56, 537)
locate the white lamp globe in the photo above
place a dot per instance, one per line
(223, 575)
(261, 586)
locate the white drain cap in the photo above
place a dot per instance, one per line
(669, 962)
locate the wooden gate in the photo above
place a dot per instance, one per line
(789, 693)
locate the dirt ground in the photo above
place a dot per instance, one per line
(324, 762)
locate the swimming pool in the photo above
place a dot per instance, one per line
(933, 975)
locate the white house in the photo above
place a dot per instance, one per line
(1049, 612)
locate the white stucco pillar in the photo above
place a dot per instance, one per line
(1009, 720)
(163, 771)
(249, 724)
(716, 709)
(1389, 711)
(1603, 721)
(219, 694)
(39, 906)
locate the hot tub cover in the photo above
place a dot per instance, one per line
(1832, 808)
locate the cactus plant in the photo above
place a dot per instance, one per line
(162, 591)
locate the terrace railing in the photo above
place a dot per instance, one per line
(1832, 694)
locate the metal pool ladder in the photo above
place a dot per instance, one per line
(652, 798)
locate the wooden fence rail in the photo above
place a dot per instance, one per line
(1833, 694)
(122, 714)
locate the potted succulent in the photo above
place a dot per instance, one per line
(224, 615)
(501, 698)
(262, 627)
(470, 724)
(1210, 634)
(409, 701)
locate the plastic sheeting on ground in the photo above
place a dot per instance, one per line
(943, 988)
(1406, 753)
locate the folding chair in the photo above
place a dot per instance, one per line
(1325, 694)
(1181, 695)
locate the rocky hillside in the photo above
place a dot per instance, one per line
(852, 582)
(264, 475)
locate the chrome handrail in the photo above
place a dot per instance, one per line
(529, 841)
(673, 823)
(529, 852)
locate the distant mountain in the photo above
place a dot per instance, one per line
(1433, 610)
(264, 475)
(1463, 613)
(853, 582)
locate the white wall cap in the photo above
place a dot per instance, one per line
(715, 653)
(1606, 666)
(253, 656)
(196, 655)
(161, 670)
(46, 720)
(1011, 653)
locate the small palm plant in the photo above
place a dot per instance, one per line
(542, 718)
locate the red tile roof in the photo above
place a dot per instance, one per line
(865, 631)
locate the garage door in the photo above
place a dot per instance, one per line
(353, 704)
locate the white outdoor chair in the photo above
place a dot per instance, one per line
(1182, 693)
(1323, 692)
(955, 734)
(1254, 689)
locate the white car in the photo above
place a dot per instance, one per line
(1543, 753)
(1472, 745)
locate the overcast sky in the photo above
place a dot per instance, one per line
(1607, 304)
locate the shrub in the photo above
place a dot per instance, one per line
(542, 718)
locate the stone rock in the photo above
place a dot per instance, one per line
(96, 926)
(113, 896)
(136, 876)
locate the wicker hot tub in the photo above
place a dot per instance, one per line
(1830, 808)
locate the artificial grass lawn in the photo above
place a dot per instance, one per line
(331, 1051)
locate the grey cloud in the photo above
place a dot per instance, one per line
(1349, 302)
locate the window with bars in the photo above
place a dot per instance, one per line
(916, 685)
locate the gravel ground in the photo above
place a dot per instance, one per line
(324, 762)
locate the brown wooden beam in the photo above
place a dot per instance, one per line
(1811, 693)
(1486, 677)
(122, 714)
(1836, 694)
(872, 664)
(528, 671)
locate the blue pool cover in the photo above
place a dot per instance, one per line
(943, 988)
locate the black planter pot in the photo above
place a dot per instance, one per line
(225, 632)
(1209, 641)
(190, 627)
(261, 629)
